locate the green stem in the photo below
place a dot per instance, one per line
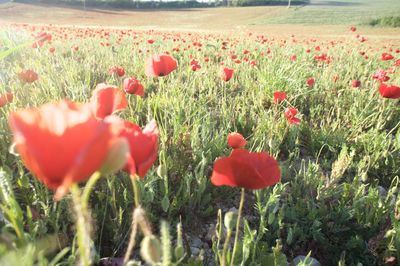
(238, 226)
(228, 237)
(136, 191)
(89, 188)
(219, 234)
(82, 226)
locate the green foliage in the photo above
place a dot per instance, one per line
(340, 167)
(390, 21)
(339, 12)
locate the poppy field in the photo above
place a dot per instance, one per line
(145, 147)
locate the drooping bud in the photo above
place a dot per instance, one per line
(116, 157)
(230, 220)
(150, 249)
(162, 171)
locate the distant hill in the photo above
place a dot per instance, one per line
(167, 3)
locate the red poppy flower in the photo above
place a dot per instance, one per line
(195, 65)
(236, 140)
(227, 73)
(37, 44)
(143, 147)
(52, 49)
(356, 83)
(160, 65)
(28, 76)
(389, 91)
(386, 57)
(62, 143)
(6, 98)
(279, 96)
(381, 75)
(43, 36)
(397, 63)
(353, 28)
(251, 170)
(362, 39)
(120, 71)
(107, 100)
(133, 86)
(310, 82)
(290, 114)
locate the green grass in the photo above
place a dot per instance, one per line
(334, 164)
(323, 12)
(386, 22)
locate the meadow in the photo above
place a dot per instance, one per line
(325, 109)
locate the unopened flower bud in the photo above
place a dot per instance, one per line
(116, 157)
(230, 220)
(150, 249)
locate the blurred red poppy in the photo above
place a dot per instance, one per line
(356, 83)
(251, 170)
(133, 86)
(310, 82)
(380, 75)
(389, 91)
(28, 76)
(236, 140)
(386, 57)
(194, 64)
(119, 71)
(353, 28)
(43, 36)
(6, 98)
(62, 143)
(279, 96)
(290, 114)
(160, 65)
(227, 73)
(107, 100)
(143, 146)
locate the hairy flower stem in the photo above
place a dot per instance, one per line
(228, 237)
(89, 188)
(132, 242)
(82, 224)
(138, 218)
(237, 226)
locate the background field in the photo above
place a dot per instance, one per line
(319, 18)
